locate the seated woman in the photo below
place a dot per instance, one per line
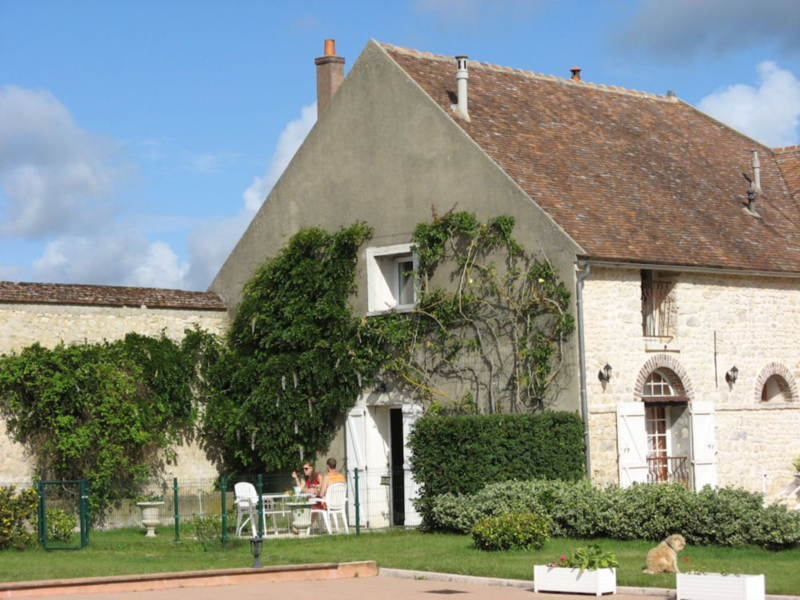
(309, 484)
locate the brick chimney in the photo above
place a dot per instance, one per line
(576, 73)
(330, 74)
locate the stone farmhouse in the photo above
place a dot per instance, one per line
(678, 237)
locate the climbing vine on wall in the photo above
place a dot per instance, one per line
(296, 357)
(489, 323)
(111, 412)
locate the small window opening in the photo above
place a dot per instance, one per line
(775, 388)
(657, 305)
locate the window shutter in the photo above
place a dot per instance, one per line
(631, 443)
(704, 446)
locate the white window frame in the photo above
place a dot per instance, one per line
(383, 278)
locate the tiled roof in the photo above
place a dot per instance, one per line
(104, 295)
(789, 160)
(630, 176)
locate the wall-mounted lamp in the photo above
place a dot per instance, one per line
(731, 375)
(605, 373)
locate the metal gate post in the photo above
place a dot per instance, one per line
(223, 486)
(358, 504)
(83, 512)
(177, 511)
(41, 527)
(260, 488)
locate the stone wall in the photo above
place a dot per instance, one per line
(50, 324)
(720, 321)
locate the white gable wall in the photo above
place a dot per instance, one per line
(756, 322)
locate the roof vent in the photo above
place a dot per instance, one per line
(671, 94)
(756, 173)
(755, 186)
(462, 76)
(576, 73)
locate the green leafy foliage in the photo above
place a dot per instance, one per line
(511, 531)
(296, 357)
(107, 412)
(462, 454)
(489, 322)
(17, 511)
(60, 524)
(723, 517)
(591, 557)
(208, 531)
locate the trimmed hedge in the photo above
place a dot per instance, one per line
(461, 454)
(723, 517)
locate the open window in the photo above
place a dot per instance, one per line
(391, 283)
(775, 389)
(657, 304)
(666, 422)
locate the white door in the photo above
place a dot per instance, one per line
(356, 457)
(704, 445)
(631, 443)
(411, 412)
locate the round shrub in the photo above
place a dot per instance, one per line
(511, 531)
(60, 524)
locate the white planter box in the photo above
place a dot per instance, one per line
(715, 586)
(560, 579)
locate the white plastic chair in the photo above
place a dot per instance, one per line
(335, 501)
(246, 506)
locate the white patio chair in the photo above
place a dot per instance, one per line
(335, 501)
(246, 506)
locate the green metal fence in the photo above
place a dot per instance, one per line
(205, 511)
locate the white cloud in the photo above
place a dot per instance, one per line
(209, 246)
(209, 162)
(768, 112)
(289, 141)
(211, 243)
(678, 29)
(54, 176)
(116, 257)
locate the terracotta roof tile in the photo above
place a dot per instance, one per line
(631, 176)
(789, 160)
(103, 295)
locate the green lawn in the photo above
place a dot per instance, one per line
(398, 549)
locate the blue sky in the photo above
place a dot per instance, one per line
(137, 138)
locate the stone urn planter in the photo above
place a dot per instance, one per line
(573, 580)
(716, 586)
(150, 516)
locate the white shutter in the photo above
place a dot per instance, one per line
(631, 443)
(704, 444)
(356, 457)
(411, 412)
(355, 438)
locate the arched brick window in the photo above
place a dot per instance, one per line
(775, 383)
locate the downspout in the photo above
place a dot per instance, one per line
(583, 275)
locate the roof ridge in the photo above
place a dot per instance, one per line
(794, 148)
(110, 295)
(542, 76)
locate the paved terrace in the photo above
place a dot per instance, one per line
(348, 581)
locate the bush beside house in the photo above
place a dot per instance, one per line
(462, 454)
(724, 517)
